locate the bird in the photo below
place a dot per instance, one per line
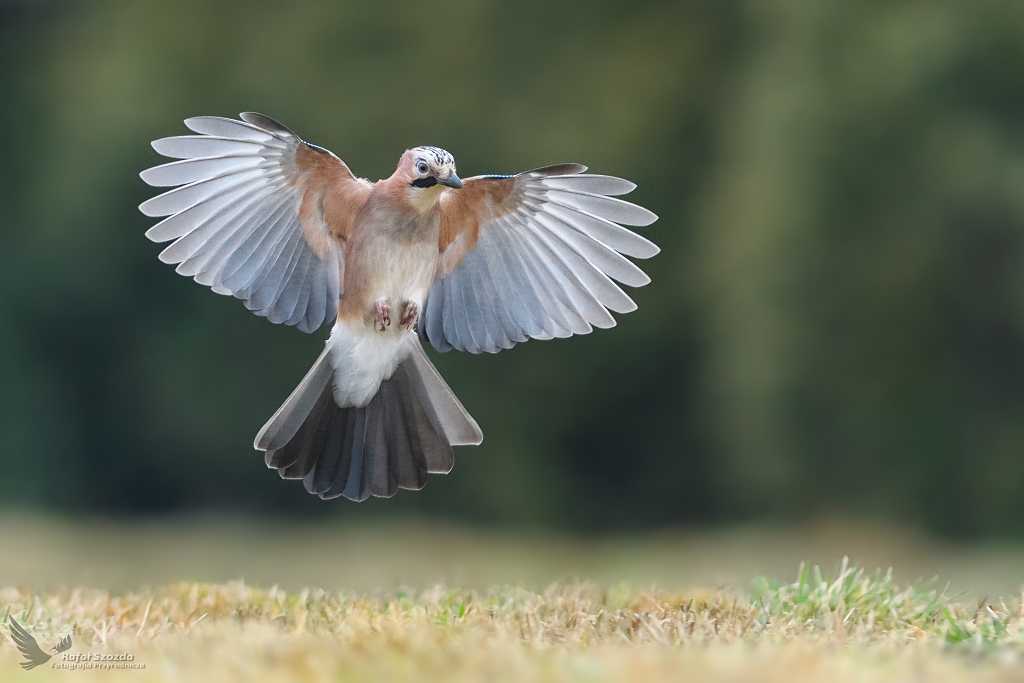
(422, 256)
(30, 649)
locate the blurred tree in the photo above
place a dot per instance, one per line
(836, 321)
(861, 261)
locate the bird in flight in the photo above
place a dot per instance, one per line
(477, 265)
(30, 649)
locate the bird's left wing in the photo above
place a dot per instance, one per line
(259, 214)
(533, 255)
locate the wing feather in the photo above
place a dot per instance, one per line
(181, 224)
(609, 208)
(244, 261)
(218, 126)
(315, 301)
(247, 215)
(607, 260)
(608, 233)
(450, 330)
(231, 257)
(534, 307)
(556, 282)
(189, 171)
(215, 259)
(192, 146)
(304, 277)
(457, 319)
(574, 295)
(492, 273)
(203, 244)
(591, 183)
(255, 270)
(533, 255)
(574, 265)
(530, 313)
(187, 196)
(267, 287)
(281, 290)
(477, 320)
(486, 317)
(543, 288)
(431, 322)
(211, 231)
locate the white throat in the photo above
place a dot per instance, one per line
(425, 198)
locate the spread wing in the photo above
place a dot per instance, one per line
(27, 645)
(533, 255)
(259, 214)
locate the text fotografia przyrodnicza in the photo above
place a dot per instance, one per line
(97, 660)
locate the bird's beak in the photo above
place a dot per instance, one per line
(452, 181)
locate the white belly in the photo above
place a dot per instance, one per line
(363, 358)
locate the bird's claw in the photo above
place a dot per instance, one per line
(410, 314)
(381, 315)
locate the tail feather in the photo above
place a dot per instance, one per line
(280, 428)
(406, 431)
(444, 409)
(402, 438)
(323, 474)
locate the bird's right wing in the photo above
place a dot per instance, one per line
(27, 645)
(259, 214)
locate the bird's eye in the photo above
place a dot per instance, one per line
(422, 167)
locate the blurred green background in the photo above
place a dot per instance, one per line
(835, 324)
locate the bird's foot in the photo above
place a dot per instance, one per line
(410, 314)
(381, 315)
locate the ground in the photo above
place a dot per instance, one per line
(845, 623)
(852, 627)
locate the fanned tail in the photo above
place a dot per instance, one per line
(405, 432)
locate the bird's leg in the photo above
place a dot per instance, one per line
(381, 314)
(410, 313)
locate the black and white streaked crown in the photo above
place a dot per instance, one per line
(438, 156)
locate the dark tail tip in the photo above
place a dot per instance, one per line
(389, 444)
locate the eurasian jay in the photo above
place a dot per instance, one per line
(476, 265)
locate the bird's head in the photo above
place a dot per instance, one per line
(428, 171)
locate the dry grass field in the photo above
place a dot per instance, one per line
(853, 627)
(841, 624)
